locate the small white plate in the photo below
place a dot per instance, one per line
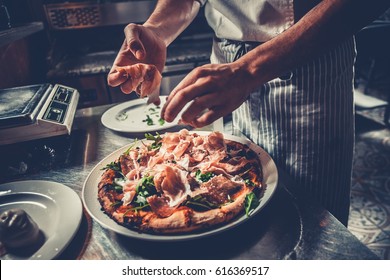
(92, 205)
(131, 117)
(56, 208)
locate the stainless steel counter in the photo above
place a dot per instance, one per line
(287, 228)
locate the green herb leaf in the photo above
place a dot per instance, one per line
(157, 140)
(140, 200)
(135, 209)
(251, 202)
(131, 147)
(249, 183)
(116, 166)
(203, 177)
(146, 187)
(148, 120)
(199, 202)
(116, 203)
(161, 121)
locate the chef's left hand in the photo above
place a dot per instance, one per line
(215, 89)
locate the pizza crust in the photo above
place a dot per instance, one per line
(188, 220)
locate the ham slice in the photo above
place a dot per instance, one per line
(181, 148)
(229, 169)
(220, 189)
(174, 187)
(145, 80)
(215, 142)
(160, 206)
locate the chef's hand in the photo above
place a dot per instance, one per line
(141, 54)
(215, 89)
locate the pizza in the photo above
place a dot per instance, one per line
(181, 182)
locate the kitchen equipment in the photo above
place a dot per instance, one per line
(86, 14)
(36, 111)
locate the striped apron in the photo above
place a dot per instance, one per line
(305, 121)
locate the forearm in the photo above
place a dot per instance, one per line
(171, 17)
(327, 24)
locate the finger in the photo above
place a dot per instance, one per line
(134, 77)
(116, 78)
(208, 117)
(127, 87)
(188, 80)
(132, 33)
(197, 107)
(190, 87)
(154, 97)
(181, 98)
(131, 84)
(118, 59)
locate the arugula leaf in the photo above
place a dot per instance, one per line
(203, 177)
(135, 209)
(140, 200)
(116, 204)
(140, 207)
(126, 153)
(249, 183)
(116, 166)
(146, 187)
(157, 140)
(118, 184)
(200, 202)
(251, 202)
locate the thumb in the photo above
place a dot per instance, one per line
(132, 33)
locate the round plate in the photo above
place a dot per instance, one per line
(56, 209)
(132, 116)
(92, 205)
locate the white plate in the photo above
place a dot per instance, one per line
(56, 209)
(130, 117)
(92, 205)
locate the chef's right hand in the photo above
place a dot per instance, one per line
(141, 45)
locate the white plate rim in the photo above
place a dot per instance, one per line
(108, 118)
(70, 217)
(93, 207)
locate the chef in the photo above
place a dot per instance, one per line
(283, 68)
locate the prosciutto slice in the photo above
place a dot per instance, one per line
(174, 187)
(145, 79)
(219, 189)
(215, 142)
